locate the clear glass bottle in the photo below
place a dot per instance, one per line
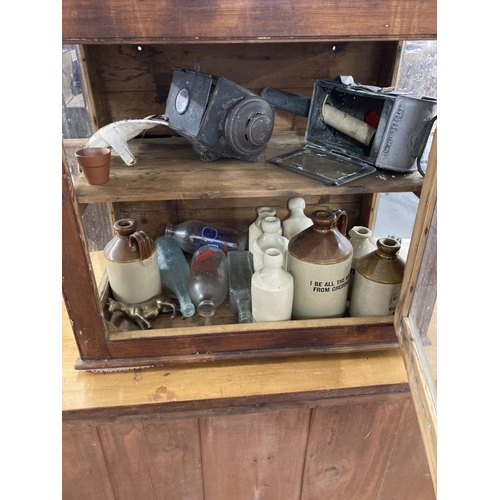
(297, 221)
(240, 271)
(255, 230)
(131, 263)
(272, 289)
(208, 282)
(174, 272)
(270, 238)
(193, 234)
(378, 280)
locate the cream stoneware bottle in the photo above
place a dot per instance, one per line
(377, 281)
(362, 244)
(319, 259)
(272, 289)
(270, 238)
(132, 264)
(297, 221)
(255, 230)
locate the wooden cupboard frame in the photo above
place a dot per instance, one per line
(253, 22)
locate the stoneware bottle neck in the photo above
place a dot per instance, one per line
(388, 248)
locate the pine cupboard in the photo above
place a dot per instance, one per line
(129, 50)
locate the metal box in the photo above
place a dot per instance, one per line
(399, 127)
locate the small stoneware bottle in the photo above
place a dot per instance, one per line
(270, 238)
(378, 280)
(297, 221)
(255, 230)
(319, 259)
(272, 289)
(132, 264)
(362, 243)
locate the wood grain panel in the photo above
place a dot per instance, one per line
(131, 83)
(238, 213)
(171, 170)
(420, 377)
(77, 277)
(407, 476)
(94, 21)
(154, 460)
(84, 470)
(353, 453)
(254, 456)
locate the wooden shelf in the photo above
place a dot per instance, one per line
(169, 169)
(113, 21)
(220, 338)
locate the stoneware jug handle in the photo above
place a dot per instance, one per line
(341, 220)
(144, 244)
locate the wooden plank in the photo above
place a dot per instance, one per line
(124, 68)
(166, 171)
(205, 383)
(254, 456)
(407, 475)
(352, 449)
(78, 283)
(147, 21)
(84, 470)
(368, 215)
(234, 338)
(167, 409)
(131, 83)
(153, 460)
(419, 374)
(238, 213)
(196, 340)
(88, 92)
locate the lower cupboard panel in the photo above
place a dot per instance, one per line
(366, 451)
(369, 449)
(254, 456)
(84, 471)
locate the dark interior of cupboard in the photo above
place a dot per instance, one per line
(132, 81)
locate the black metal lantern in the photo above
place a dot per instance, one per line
(220, 118)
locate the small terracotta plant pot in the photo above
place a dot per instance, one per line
(95, 164)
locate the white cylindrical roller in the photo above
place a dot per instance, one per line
(347, 124)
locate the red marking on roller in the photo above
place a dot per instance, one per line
(372, 118)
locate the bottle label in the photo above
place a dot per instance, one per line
(320, 291)
(226, 239)
(201, 259)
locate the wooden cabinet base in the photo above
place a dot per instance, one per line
(365, 447)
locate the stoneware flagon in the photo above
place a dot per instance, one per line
(377, 281)
(319, 259)
(132, 264)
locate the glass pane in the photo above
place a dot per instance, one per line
(423, 309)
(417, 75)
(77, 124)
